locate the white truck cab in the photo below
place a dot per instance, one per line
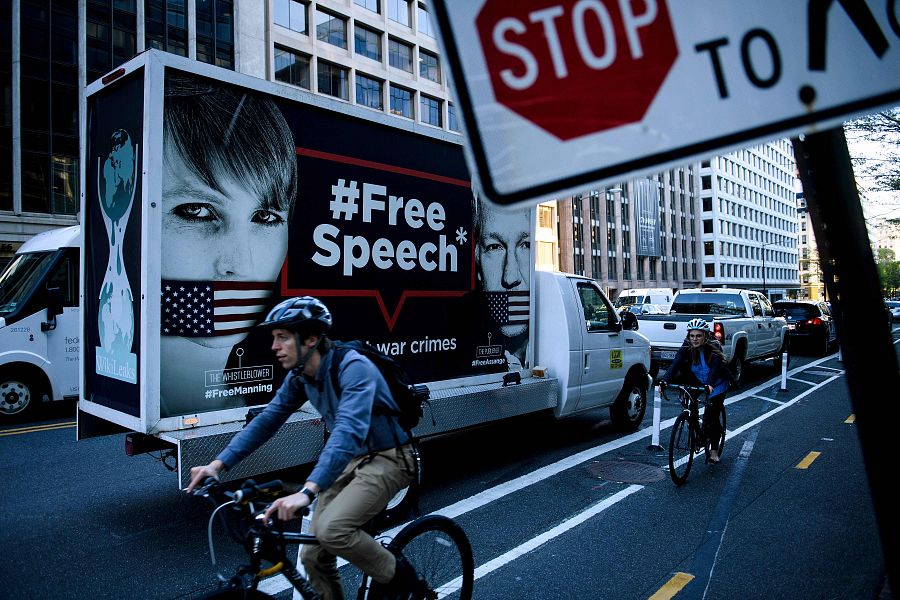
(39, 322)
(662, 297)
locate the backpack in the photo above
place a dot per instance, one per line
(409, 397)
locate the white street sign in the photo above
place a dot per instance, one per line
(558, 95)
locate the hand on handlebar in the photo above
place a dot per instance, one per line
(288, 507)
(199, 474)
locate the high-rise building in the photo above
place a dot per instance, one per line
(730, 221)
(749, 220)
(637, 233)
(812, 280)
(381, 54)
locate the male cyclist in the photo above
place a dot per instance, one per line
(701, 361)
(366, 459)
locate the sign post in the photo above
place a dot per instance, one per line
(557, 95)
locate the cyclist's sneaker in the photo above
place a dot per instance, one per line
(404, 586)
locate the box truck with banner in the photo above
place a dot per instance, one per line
(209, 196)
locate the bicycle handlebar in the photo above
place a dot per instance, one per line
(248, 492)
(689, 389)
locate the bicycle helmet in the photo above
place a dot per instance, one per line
(700, 324)
(302, 313)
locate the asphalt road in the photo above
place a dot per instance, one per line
(554, 509)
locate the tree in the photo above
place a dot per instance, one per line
(882, 130)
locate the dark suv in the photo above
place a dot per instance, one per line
(809, 322)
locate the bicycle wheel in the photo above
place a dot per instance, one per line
(681, 449)
(440, 552)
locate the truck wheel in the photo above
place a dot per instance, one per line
(737, 366)
(627, 411)
(18, 396)
(403, 501)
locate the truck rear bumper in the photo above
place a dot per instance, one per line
(302, 437)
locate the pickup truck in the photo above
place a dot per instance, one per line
(742, 320)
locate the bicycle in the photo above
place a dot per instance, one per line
(435, 545)
(689, 433)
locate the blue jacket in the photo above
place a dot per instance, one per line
(718, 375)
(354, 429)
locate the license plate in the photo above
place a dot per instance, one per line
(668, 355)
(792, 326)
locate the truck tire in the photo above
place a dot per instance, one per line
(19, 395)
(628, 410)
(737, 365)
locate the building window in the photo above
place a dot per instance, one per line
(65, 185)
(400, 55)
(430, 109)
(215, 32)
(452, 122)
(429, 67)
(398, 10)
(367, 42)
(401, 102)
(333, 80)
(331, 29)
(292, 14)
(291, 67)
(709, 270)
(372, 5)
(368, 92)
(165, 24)
(426, 27)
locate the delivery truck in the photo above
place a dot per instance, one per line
(209, 196)
(39, 323)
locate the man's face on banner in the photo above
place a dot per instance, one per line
(503, 255)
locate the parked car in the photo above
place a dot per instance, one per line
(809, 322)
(894, 307)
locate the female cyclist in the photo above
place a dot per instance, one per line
(701, 361)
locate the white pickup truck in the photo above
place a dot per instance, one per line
(742, 320)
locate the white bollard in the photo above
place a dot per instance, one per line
(657, 409)
(784, 365)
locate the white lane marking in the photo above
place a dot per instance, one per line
(279, 583)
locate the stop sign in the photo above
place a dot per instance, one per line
(576, 67)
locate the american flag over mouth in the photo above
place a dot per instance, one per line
(508, 308)
(210, 308)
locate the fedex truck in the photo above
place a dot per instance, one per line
(209, 196)
(39, 323)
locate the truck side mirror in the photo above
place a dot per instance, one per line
(629, 321)
(54, 307)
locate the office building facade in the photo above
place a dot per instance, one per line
(381, 54)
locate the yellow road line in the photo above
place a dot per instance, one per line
(672, 586)
(851, 419)
(37, 428)
(807, 460)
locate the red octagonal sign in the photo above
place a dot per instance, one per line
(576, 67)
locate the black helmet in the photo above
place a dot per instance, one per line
(304, 313)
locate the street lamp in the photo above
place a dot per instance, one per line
(765, 292)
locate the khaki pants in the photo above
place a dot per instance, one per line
(358, 495)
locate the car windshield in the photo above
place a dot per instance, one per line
(797, 311)
(20, 277)
(626, 300)
(708, 304)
